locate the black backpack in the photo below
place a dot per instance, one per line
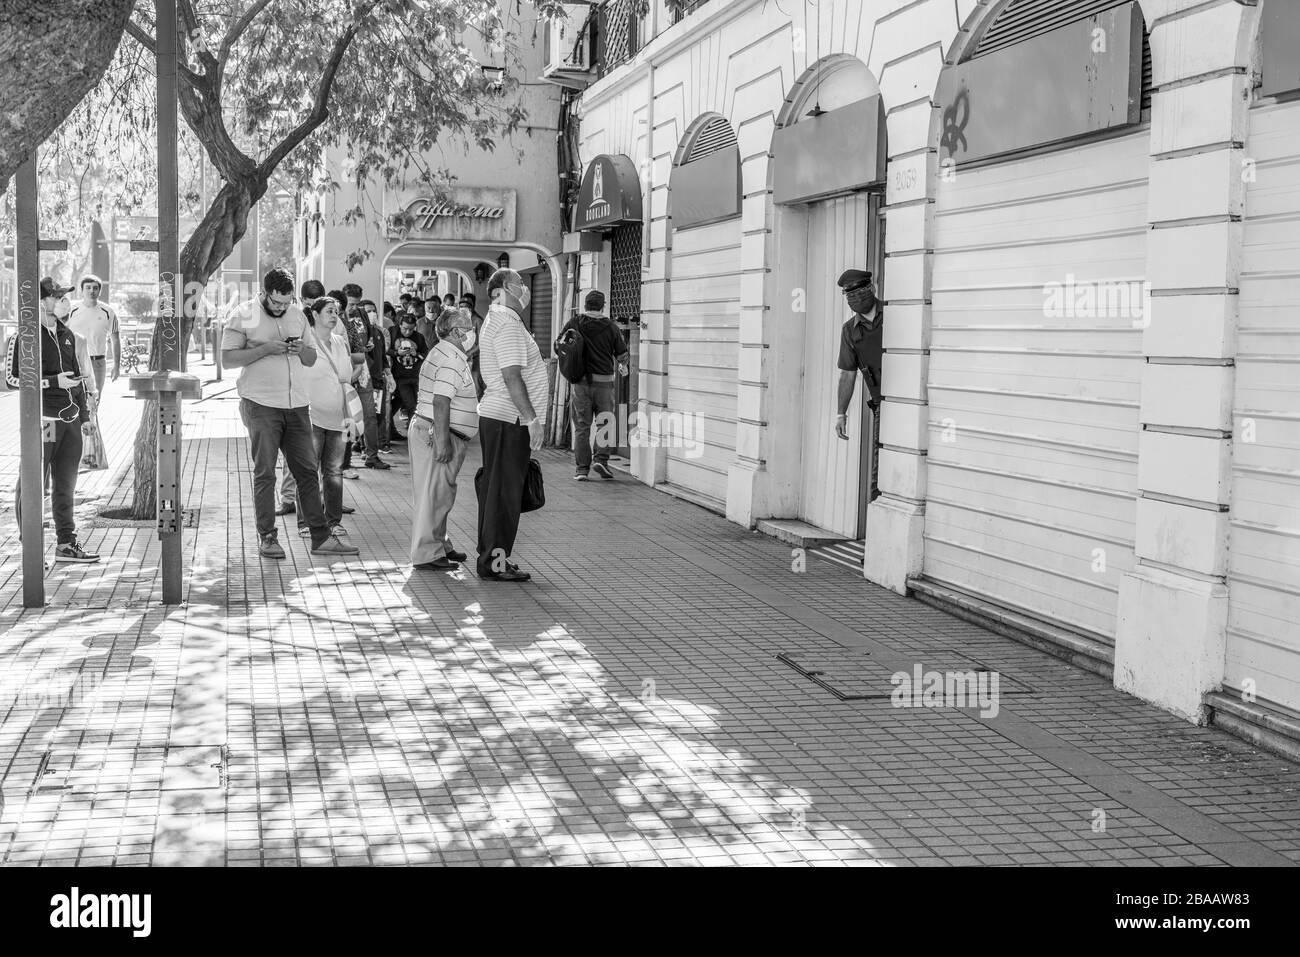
(571, 351)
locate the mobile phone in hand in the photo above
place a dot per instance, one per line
(293, 339)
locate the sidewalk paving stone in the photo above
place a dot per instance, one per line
(627, 706)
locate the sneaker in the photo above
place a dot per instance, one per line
(335, 546)
(455, 556)
(351, 474)
(286, 508)
(338, 530)
(581, 477)
(73, 552)
(269, 546)
(377, 464)
(348, 509)
(304, 530)
(603, 470)
(386, 450)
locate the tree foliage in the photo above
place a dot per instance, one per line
(266, 86)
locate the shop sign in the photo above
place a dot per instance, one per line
(476, 214)
(610, 194)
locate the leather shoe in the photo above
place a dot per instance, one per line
(286, 508)
(348, 510)
(511, 574)
(439, 565)
(456, 556)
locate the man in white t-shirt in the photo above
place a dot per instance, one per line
(510, 422)
(269, 342)
(96, 323)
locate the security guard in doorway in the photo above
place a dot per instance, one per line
(861, 349)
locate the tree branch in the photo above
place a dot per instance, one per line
(320, 106)
(236, 31)
(141, 37)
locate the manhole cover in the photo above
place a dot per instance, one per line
(109, 769)
(856, 676)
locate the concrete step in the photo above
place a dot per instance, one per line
(799, 534)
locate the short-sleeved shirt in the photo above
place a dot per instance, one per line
(92, 323)
(325, 380)
(358, 333)
(406, 353)
(446, 372)
(862, 350)
(504, 343)
(278, 382)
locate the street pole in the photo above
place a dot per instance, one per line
(31, 465)
(169, 320)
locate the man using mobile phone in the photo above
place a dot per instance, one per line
(269, 341)
(65, 413)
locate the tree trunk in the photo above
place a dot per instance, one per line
(214, 239)
(51, 55)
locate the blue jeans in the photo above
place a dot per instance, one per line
(270, 432)
(329, 453)
(587, 399)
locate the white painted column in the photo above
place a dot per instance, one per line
(650, 460)
(1173, 606)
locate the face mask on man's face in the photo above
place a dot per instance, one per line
(862, 300)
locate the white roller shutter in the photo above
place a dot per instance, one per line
(704, 354)
(1034, 420)
(1263, 640)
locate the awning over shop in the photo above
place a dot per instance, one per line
(610, 195)
(836, 152)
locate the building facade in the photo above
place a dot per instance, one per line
(1084, 221)
(502, 207)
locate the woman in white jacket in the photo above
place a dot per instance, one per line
(331, 425)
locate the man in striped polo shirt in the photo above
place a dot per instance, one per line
(510, 418)
(445, 420)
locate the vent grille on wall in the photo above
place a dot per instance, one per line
(1021, 20)
(714, 135)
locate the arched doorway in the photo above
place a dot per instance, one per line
(704, 310)
(829, 167)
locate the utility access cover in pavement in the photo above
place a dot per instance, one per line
(106, 769)
(853, 675)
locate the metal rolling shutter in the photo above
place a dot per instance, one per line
(704, 354)
(1034, 421)
(1263, 637)
(539, 319)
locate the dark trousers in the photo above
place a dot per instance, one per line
(588, 398)
(62, 460)
(404, 398)
(371, 422)
(506, 451)
(270, 432)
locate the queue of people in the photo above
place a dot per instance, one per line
(322, 373)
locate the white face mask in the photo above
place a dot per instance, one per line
(469, 338)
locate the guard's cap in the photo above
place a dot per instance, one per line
(851, 278)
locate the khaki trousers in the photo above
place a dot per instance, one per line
(434, 493)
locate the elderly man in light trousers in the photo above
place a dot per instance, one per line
(444, 423)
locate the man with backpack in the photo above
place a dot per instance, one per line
(590, 348)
